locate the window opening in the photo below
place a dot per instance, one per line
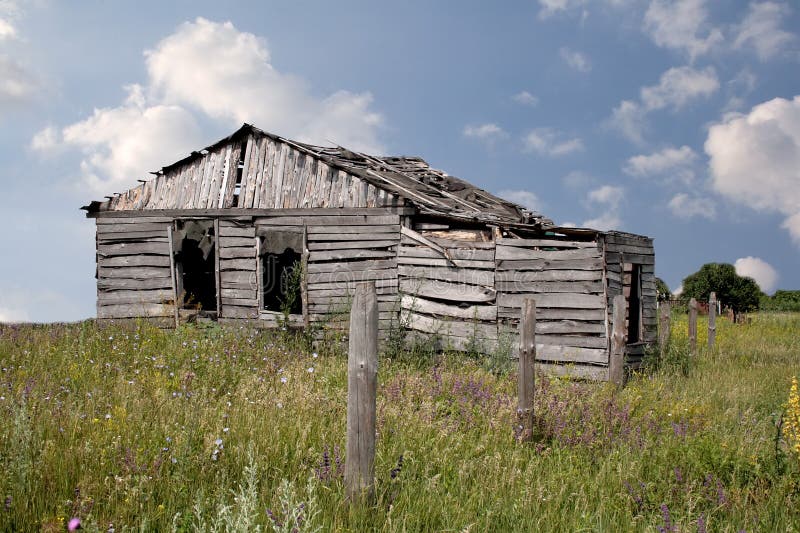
(282, 272)
(195, 259)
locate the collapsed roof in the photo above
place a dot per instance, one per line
(412, 179)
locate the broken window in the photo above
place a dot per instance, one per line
(633, 295)
(281, 271)
(195, 258)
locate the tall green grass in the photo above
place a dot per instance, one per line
(235, 430)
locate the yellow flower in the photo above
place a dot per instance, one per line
(791, 426)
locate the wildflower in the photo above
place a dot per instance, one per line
(284, 379)
(791, 426)
(315, 355)
(218, 442)
(225, 430)
(74, 524)
(311, 370)
(8, 503)
(108, 416)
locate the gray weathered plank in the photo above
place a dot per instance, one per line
(461, 275)
(109, 284)
(133, 272)
(586, 287)
(428, 307)
(134, 260)
(545, 243)
(516, 253)
(549, 264)
(575, 301)
(346, 245)
(443, 290)
(452, 328)
(336, 255)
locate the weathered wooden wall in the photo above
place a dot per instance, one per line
(451, 298)
(238, 266)
(133, 269)
(622, 251)
(274, 175)
(343, 250)
(565, 277)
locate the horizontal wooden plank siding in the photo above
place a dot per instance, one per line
(447, 290)
(238, 269)
(133, 269)
(565, 278)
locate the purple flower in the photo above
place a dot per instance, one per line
(74, 524)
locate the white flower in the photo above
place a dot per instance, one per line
(315, 355)
(225, 430)
(311, 370)
(284, 380)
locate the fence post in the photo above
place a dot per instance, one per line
(663, 332)
(362, 377)
(616, 360)
(527, 368)
(712, 320)
(693, 326)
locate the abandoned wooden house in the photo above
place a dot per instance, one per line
(260, 228)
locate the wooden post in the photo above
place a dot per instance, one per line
(693, 326)
(527, 368)
(663, 332)
(616, 360)
(712, 320)
(362, 377)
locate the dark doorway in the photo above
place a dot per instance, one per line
(635, 304)
(195, 260)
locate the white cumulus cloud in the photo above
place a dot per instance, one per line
(761, 29)
(755, 159)
(676, 88)
(487, 133)
(576, 60)
(607, 198)
(681, 25)
(550, 142)
(212, 70)
(670, 163)
(685, 206)
(758, 269)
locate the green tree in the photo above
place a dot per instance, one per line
(739, 293)
(662, 290)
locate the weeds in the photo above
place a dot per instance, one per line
(208, 427)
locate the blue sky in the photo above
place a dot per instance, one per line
(677, 119)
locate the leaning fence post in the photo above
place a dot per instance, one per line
(712, 319)
(663, 332)
(362, 377)
(693, 326)
(616, 360)
(527, 368)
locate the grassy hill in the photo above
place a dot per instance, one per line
(232, 429)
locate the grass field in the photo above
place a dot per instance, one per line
(230, 429)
